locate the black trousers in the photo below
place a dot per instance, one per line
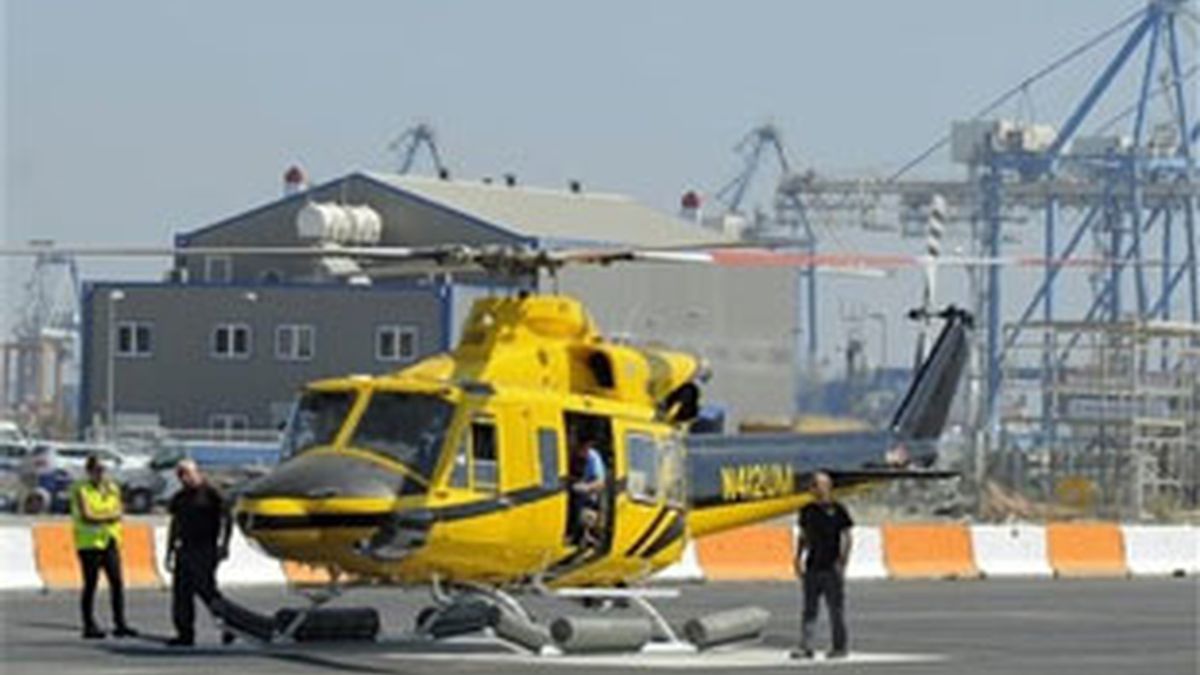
(91, 561)
(830, 584)
(195, 575)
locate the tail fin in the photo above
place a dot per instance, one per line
(922, 414)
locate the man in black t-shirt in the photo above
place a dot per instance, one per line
(822, 551)
(198, 541)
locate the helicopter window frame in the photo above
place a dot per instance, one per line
(421, 456)
(350, 400)
(480, 424)
(465, 466)
(642, 466)
(672, 471)
(548, 458)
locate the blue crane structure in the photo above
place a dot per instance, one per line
(1130, 192)
(1121, 190)
(790, 222)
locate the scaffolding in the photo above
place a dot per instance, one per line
(1109, 424)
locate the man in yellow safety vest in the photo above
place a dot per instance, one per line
(96, 512)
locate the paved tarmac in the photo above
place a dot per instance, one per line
(988, 627)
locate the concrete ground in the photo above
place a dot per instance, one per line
(987, 627)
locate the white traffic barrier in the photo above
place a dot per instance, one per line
(1161, 549)
(866, 554)
(246, 565)
(1014, 550)
(20, 563)
(687, 569)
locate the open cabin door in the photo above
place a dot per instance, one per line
(596, 432)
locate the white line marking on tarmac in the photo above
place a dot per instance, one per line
(717, 658)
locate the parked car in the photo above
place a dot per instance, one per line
(52, 466)
(14, 447)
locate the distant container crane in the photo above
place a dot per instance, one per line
(44, 342)
(408, 145)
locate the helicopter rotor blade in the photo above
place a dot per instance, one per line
(511, 260)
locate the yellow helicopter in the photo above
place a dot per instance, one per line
(463, 469)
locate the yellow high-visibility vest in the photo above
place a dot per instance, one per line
(102, 501)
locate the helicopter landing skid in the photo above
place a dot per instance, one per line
(317, 598)
(664, 638)
(464, 608)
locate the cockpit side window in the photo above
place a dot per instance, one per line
(316, 419)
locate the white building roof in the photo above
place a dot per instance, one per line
(555, 217)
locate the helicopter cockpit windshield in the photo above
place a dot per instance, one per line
(316, 419)
(406, 427)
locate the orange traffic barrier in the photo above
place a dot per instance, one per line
(938, 551)
(137, 557)
(58, 561)
(305, 575)
(1086, 549)
(752, 553)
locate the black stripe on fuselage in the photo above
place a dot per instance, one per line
(420, 518)
(662, 513)
(673, 532)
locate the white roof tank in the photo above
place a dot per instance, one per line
(338, 224)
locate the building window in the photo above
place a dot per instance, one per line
(395, 343)
(231, 341)
(134, 339)
(218, 269)
(295, 342)
(228, 423)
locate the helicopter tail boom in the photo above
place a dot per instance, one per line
(740, 479)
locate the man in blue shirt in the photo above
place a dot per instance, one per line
(587, 491)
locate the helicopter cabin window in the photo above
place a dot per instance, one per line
(601, 367)
(642, 454)
(315, 420)
(408, 428)
(476, 462)
(548, 457)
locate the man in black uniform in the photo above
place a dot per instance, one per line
(198, 541)
(822, 551)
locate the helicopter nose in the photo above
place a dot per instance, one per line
(326, 476)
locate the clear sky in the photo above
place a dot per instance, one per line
(129, 120)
